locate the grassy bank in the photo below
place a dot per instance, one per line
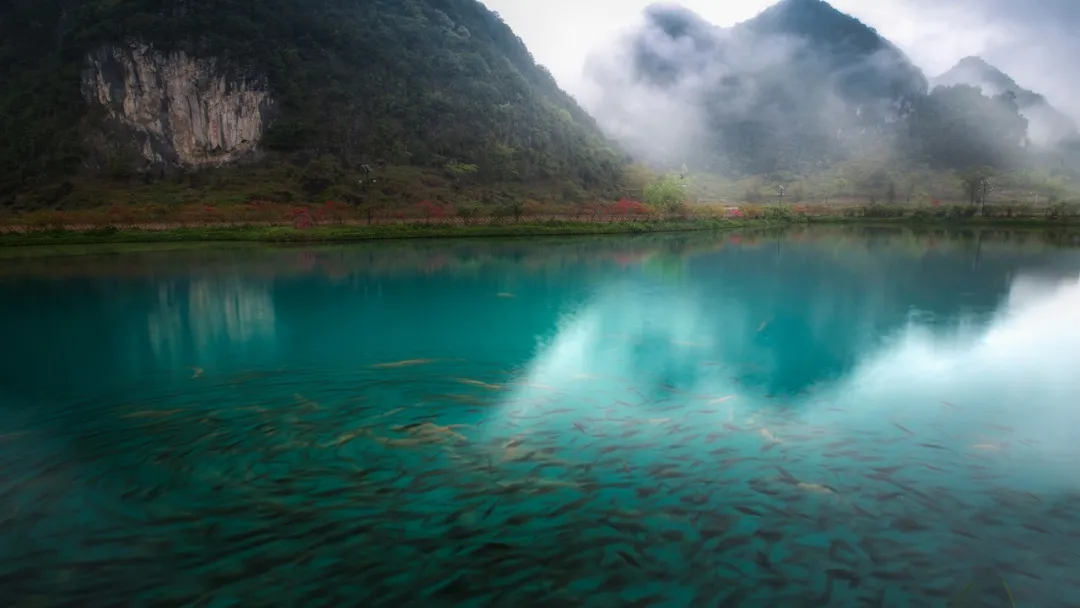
(333, 222)
(346, 233)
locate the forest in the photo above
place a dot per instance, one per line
(393, 102)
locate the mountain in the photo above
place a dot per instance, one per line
(295, 99)
(795, 87)
(1046, 125)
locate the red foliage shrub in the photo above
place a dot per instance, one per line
(303, 221)
(625, 207)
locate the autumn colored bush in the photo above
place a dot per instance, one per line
(334, 211)
(625, 207)
(429, 210)
(301, 218)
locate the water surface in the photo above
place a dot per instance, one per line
(819, 417)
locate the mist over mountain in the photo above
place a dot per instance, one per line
(392, 101)
(1046, 124)
(796, 88)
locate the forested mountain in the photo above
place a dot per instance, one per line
(1046, 124)
(317, 90)
(396, 101)
(797, 88)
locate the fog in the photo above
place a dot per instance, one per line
(678, 90)
(1031, 41)
(608, 54)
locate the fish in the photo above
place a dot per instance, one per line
(504, 294)
(471, 382)
(405, 363)
(720, 400)
(903, 428)
(151, 414)
(196, 372)
(817, 488)
(630, 559)
(844, 575)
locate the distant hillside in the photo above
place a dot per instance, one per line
(798, 87)
(1047, 124)
(314, 92)
(795, 87)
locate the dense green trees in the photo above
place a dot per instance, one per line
(427, 83)
(958, 127)
(440, 96)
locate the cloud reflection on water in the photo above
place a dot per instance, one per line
(959, 381)
(1021, 371)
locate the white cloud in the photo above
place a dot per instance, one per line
(1033, 41)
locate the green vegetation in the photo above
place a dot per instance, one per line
(439, 96)
(873, 180)
(287, 234)
(395, 106)
(339, 223)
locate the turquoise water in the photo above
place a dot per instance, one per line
(820, 417)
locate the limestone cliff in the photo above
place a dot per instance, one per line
(178, 110)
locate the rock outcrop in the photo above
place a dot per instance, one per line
(177, 110)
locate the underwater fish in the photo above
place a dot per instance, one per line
(768, 435)
(196, 372)
(405, 363)
(903, 428)
(151, 414)
(720, 400)
(505, 294)
(816, 488)
(471, 382)
(630, 559)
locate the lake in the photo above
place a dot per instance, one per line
(822, 416)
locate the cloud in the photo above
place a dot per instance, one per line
(1034, 41)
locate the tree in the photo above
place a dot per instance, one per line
(972, 180)
(665, 194)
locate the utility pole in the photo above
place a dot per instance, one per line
(986, 188)
(780, 189)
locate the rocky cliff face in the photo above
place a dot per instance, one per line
(178, 110)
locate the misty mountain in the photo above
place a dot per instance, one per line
(307, 94)
(798, 87)
(1046, 124)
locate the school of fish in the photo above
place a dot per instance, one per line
(411, 483)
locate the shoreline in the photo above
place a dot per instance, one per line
(420, 230)
(360, 233)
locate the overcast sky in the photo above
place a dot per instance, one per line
(1034, 41)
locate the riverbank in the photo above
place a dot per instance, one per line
(353, 231)
(348, 233)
